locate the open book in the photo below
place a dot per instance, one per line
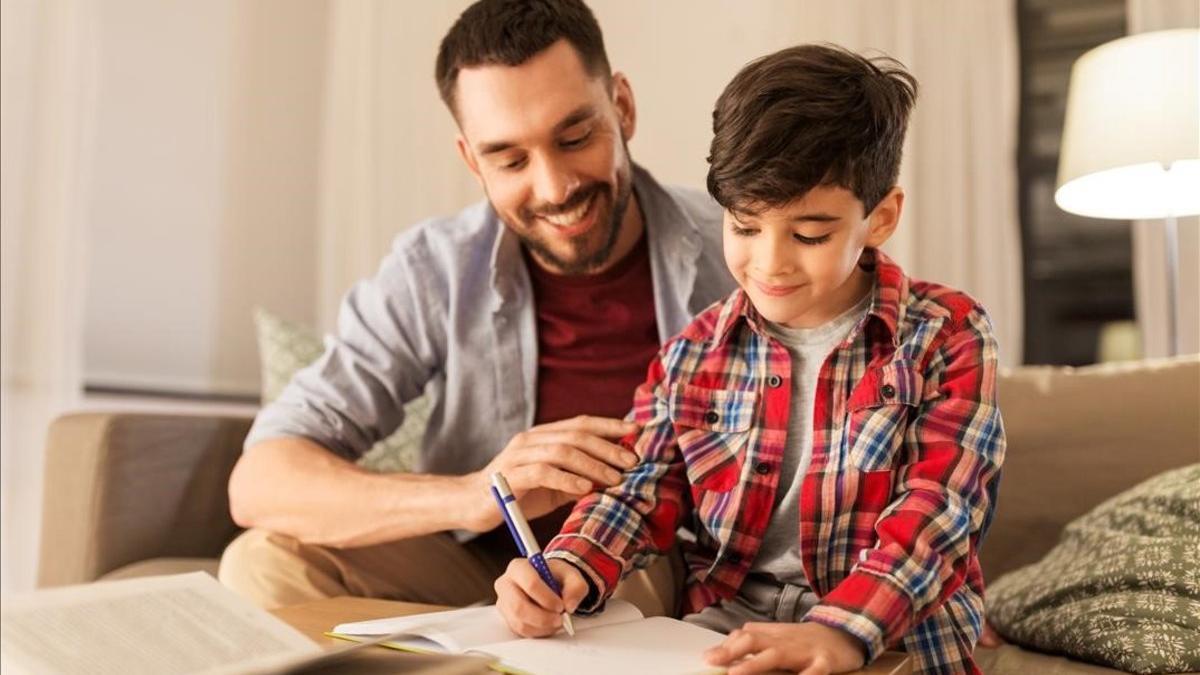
(614, 641)
(183, 623)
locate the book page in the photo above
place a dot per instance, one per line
(656, 645)
(460, 630)
(186, 623)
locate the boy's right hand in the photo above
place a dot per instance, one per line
(529, 606)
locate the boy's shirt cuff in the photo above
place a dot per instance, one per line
(871, 606)
(601, 569)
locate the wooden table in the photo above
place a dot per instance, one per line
(314, 618)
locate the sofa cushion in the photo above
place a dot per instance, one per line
(1078, 436)
(1122, 588)
(1013, 660)
(285, 347)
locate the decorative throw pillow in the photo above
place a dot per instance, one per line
(1121, 588)
(285, 347)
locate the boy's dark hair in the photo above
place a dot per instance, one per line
(510, 32)
(806, 116)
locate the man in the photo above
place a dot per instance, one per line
(529, 318)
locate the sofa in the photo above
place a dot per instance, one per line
(138, 494)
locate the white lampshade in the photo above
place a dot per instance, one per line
(1131, 139)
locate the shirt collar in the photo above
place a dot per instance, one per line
(887, 303)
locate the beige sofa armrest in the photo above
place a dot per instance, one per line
(120, 488)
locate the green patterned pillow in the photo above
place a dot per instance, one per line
(285, 347)
(1121, 588)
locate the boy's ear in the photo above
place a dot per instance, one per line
(468, 157)
(883, 220)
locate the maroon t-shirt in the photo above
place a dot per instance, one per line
(596, 337)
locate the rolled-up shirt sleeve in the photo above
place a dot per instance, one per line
(388, 344)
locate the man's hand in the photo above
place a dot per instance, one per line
(805, 648)
(528, 605)
(551, 465)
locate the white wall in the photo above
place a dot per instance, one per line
(204, 196)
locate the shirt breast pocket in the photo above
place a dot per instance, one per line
(712, 427)
(878, 414)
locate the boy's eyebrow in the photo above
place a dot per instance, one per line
(580, 114)
(815, 217)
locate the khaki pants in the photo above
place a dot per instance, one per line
(275, 570)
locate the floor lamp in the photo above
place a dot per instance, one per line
(1131, 138)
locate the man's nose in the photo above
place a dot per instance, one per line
(554, 182)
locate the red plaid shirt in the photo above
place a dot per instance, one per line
(906, 454)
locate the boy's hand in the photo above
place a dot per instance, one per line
(805, 648)
(528, 605)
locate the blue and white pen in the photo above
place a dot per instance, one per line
(526, 543)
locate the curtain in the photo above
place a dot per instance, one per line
(389, 159)
(48, 91)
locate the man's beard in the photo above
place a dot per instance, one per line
(590, 250)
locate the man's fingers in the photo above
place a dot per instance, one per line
(590, 445)
(605, 427)
(583, 464)
(532, 476)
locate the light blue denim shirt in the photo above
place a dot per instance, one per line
(451, 312)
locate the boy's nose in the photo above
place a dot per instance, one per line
(770, 261)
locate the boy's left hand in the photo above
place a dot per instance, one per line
(806, 648)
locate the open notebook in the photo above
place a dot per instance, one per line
(614, 641)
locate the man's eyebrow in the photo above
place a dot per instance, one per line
(580, 114)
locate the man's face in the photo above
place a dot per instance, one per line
(547, 142)
(799, 262)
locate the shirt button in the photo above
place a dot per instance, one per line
(733, 558)
(762, 469)
(712, 417)
(888, 391)
(774, 381)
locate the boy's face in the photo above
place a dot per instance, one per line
(546, 140)
(798, 263)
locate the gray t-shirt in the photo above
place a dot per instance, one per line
(775, 588)
(779, 556)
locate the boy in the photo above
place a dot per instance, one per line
(829, 432)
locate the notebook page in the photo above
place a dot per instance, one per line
(186, 623)
(657, 645)
(460, 630)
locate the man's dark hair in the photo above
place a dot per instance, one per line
(510, 32)
(806, 116)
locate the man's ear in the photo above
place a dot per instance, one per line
(626, 108)
(468, 157)
(883, 220)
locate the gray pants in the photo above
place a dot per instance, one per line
(758, 600)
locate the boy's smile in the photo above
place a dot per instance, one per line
(798, 262)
